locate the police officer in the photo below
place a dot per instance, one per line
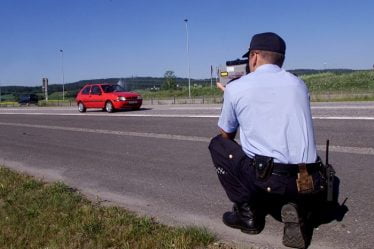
(270, 107)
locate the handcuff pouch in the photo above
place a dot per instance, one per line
(264, 166)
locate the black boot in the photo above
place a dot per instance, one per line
(294, 229)
(243, 218)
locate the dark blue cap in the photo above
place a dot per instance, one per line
(267, 42)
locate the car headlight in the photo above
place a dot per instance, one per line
(121, 98)
(139, 97)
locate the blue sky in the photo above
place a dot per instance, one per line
(121, 38)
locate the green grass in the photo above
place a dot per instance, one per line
(34, 214)
(55, 102)
(57, 95)
(355, 86)
(8, 103)
(181, 93)
(361, 81)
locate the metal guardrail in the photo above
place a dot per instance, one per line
(336, 96)
(183, 100)
(40, 104)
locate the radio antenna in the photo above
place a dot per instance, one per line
(327, 151)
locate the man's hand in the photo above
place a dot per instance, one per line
(228, 135)
(220, 86)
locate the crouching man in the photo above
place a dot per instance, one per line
(277, 159)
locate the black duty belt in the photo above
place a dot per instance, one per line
(293, 169)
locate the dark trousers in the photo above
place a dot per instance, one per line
(237, 175)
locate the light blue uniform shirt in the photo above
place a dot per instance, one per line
(271, 108)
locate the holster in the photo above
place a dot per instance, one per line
(304, 181)
(264, 166)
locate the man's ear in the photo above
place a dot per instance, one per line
(255, 58)
(253, 62)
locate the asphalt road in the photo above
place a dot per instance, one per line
(156, 162)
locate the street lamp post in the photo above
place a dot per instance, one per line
(62, 70)
(188, 59)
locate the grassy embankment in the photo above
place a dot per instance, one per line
(341, 87)
(34, 214)
(356, 86)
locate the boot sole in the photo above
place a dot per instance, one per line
(292, 234)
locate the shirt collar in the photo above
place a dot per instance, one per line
(268, 68)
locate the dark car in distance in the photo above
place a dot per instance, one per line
(28, 99)
(109, 97)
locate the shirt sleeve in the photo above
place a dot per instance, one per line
(228, 120)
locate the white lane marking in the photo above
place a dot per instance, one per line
(39, 108)
(111, 132)
(345, 118)
(194, 108)
(115, 115)
(343, 107)
(342, 149)
(164, 115)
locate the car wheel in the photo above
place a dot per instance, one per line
(81, 107)
(109, 106)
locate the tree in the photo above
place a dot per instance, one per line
(169, 81)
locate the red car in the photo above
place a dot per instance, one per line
(109, 97)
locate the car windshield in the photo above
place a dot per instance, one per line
(112, 88)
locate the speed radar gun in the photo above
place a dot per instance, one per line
(232, 71)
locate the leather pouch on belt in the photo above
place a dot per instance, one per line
(264, 166)
(304, 181)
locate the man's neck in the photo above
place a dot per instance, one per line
(266, 65)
